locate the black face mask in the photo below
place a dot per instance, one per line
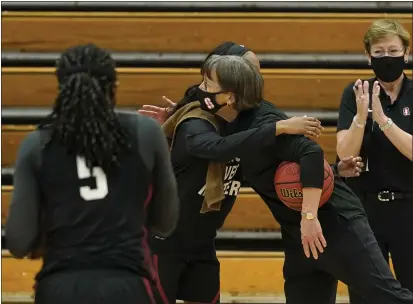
(387, 69)
(208, 101)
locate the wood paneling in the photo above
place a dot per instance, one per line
(287, 88)
(5, 202)
(249, 212)
(190, 32)
(261, 274)
(11, 140)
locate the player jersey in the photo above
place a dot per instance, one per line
(94, 219)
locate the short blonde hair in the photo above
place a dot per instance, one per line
(382, 28)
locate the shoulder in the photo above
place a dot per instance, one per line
(33, 139)
(196, 125)
(268, 112)
(31, 146)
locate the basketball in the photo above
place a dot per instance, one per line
(288, 186)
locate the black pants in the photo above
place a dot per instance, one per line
(95, 287)
(353, 257)
(192, 280)
(392, 224)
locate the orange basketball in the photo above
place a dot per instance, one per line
(288, 186)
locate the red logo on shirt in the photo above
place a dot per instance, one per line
(406, 111)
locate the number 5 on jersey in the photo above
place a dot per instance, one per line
(86, 192)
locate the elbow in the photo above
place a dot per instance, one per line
(314, 150)
(16, 247)
(165, 229)
(166, 225)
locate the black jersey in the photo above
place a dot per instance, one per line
(93, 219)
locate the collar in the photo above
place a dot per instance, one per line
(406, 86)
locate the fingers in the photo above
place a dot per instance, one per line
(313, 245)
(149, 113)
(306, 247)
(311, 119)
(358, 88)
(376, 89)
(319, 246)
(322, 240)
(314, 250)
(313, 131)
(311, 134)
(315, 124)
(357, 84)
(347, 159)
(168, 101)
(152, 108)
(366, 87)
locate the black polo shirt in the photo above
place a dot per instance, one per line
(386, 167)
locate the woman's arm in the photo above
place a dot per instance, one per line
(22, 222)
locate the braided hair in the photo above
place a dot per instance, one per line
(225, 48)
(83, 117)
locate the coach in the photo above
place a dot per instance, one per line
(376, 122)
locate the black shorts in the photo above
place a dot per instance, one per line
(192, 280)
(95, 287)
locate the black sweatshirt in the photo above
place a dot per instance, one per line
(196, 144)
(259, 169)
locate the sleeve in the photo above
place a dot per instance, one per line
(22, 222)
(348, 109)
(203, 141)
(164, 208)
(307, 153)
(299, 149)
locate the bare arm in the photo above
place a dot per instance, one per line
(350, 133)
(22, 222)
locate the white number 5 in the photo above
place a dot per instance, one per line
(83, 172)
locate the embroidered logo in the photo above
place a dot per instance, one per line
(406, 111)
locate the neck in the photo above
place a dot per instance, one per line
(392, 87)
(228, 116)
(227, 113)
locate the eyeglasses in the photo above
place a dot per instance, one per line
(391, 53)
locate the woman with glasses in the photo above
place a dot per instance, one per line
(376, 123)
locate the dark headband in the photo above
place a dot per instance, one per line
(237, 50)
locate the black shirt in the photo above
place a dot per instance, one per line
(98, 220)
(387, 168)
(259, 170)
(196, 144)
